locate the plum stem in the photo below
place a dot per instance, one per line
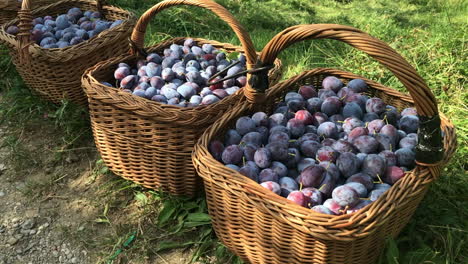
(380, 179)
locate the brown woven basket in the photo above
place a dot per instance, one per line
(262, 227)
(148, 142)
(9, 8)
(55, 74)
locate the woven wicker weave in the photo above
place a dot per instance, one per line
(262, 227)
(55, 74)
(148, 142)
(9, 8)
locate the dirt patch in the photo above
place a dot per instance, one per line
(62, 206)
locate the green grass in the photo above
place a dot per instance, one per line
(430, 34)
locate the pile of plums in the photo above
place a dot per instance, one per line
(67, 29)
(334, 150)
(181, 75)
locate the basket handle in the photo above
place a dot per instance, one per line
(138, 34)
(25, 25)
(429, 151)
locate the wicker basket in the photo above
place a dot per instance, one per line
(55, 74)
(148, 142)
(262, 227)
(9, 8)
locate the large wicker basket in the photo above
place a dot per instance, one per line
(55, 74)
(148, 142)
(9, 8)
(262, 227)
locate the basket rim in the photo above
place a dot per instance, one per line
(128, 22)
(128, 99)
(334, 221)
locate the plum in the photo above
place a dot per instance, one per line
(324, 93)
(359, 206)
(260, 119)
(322, 209)
(326, 153)
(389, 156)
(345, 196)
(409, 111)
(232, 166)
(328, 142)
(331, 168)
(272, 186)
(376, 193)
(348, 164)
(409, 123)
(278, 137)
(343, 146)
(121, 73)
(359, 188)
(331, 105)
(312, 176)
(357, 86)
(375, 126)
(351, 123)
(309, 148)
(249, 151)
(296, 127)
(210, 99)
(332, 83)
(295, 105)
(262, 157)
(374, 165)
(385, 142)
(368, 117)
(150, 91)
(328, 130)
(186, 91)
(279, 168)
(298, 197)
(314, 196)
(393, 174)
(139, 92)
(268, 175)
(277, 119)
(216, 148)
(232, 137)
(129, 82)
(250, 172)
(279, 151)
(304, 163)
(366, 144)
(314, 104)
(307, 91)
(352, 110)
(357, 132)
(327, 185)
(408, 142)
(159, 98)
(333, 206)
(363, 178)
(293, 96)
(254, 138)
(391, 132)
(405, 157)
(62, 22)
(305, 117)
(232, 155)
(375, 105)
(319, 118)
(288, 183)
(12, 30)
